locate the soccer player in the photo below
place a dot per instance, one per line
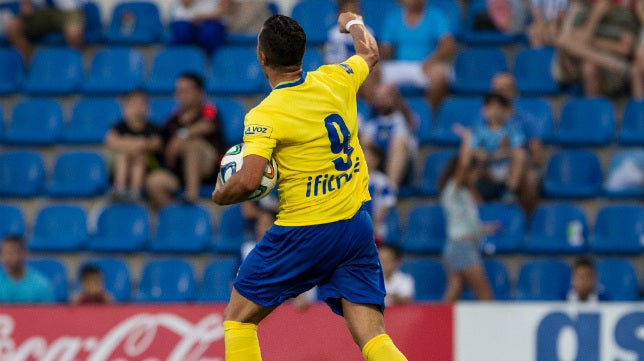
(322, 235)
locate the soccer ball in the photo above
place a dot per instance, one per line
(232, 162)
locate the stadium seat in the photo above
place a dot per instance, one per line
(425, 119)
(78, 174)
(55, 71)
(135, 23)
(116, 277)
(11, 71)
(433, 169)
(167, 280)
(429, 278)
(90, 121)
(532, 72)
(542, 111)
(619, 229)
(218, 279)
(465, 111)
(13, 221)
(235, 71)
(45, 115)
(425, 229)
(509, 237)
(557, 228)
(625, 174)
(170, 63)
(22, 174)
(182, 228)
(232, 115)
(312, 59)
(632, 130)
(161, 109)
(394, 227)
(316, 18)
(374, 13)
(573, 174)
(472, 78)
(59, 228)
(231, 231)
(54, 270)
(586, 122)
(93, 22)
(543, 280)
(499, 277)
(120, 227)
(618, 279)
(114, 71)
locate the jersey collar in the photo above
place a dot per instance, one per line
(291, 83)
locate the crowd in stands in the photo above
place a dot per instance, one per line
(592, 50)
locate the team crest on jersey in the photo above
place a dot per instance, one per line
(346, 68)
(260, 130)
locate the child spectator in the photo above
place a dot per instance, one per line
(400, 286)
(584, 283)
(133, 142)
(199, 22)
(92, 288)
(383, 194)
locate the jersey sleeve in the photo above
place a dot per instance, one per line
(259, 137)
(353, 70)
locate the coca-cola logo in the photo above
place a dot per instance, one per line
(134, 338)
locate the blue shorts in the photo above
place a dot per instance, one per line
(340, 258)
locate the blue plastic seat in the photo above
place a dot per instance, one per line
(12, 71)
(587, 122)
(425, 229)
(121, 227)
(182, 229)
(167, 280)
(618, 279)
(78, 174)
(45, 115)
(114, 71)
(161, 109)
(135, 23)
(116, 277)
(632, 130)
(470, 76)
(429, 278)
(170, 63)
(59, 228)
(232, 113)
(465, 111)
(93, 24)
(573, 174)
(509, 237)
(532, 71)
(22, 174)
(91, 119)
(625, 162)
(433, 169)
(543, 280)
(218, 279)
(236, 71)
(557, 228)
(316, 17)
(231, 231)
(619, 229)
(13, 221)
(54, 270)
(542, 112)
(55, 71)
(374, 13)
(499, 278)
(425, 118)
(394, 227)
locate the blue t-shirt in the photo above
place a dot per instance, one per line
(32, 288)
(418, 42)
(491, 140)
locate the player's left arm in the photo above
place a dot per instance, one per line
(241, 184)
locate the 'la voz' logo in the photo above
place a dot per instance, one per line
(261, 130)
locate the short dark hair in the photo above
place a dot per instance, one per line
(195, 78)
(395, 249)
(89, 270)
(584, 262)
(15, 239)
(497, 98)
(283, 41)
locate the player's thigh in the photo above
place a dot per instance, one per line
(241, 309)
(364, 321)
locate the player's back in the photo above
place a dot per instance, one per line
(312, 125)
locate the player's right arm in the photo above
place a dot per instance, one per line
(363, 42)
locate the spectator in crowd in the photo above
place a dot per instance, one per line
(199, 22)
(38, 18)
(192, 145)
(92, 290)
(547, 19)
(393, 129)
(133, 142)
(19, 283)
(247, 16)
(637, 70)
(595, 46)
(416, 46)
(383, 193)
(400, 286)
(584, 283)
(460, 199)
(498, 145)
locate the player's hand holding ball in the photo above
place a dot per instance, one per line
(345, 19)
(232, 163)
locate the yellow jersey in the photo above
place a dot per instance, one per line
(310, 127)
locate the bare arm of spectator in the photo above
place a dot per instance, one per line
(465, 154)
(536, 152)
(202, 127)
(408, 114)
(624, 46)
(118, 142)
(444, 51)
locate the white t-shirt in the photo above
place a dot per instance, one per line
(400, 284)
(180, 12)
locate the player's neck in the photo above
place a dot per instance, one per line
(277, 77)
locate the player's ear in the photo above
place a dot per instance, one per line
(261, 57)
